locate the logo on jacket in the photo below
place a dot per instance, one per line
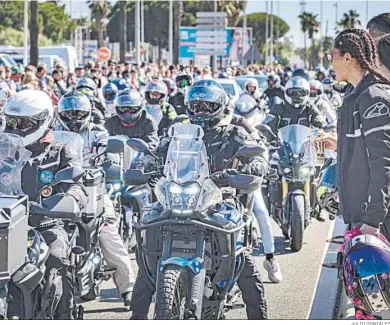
(46, 177)
(376, 110)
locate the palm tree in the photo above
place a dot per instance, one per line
(34, 33)
(233, 9)
(350, 20)
(122, 31)
(100, 9)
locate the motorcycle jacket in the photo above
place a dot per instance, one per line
(222, 144)
(169, 115)
(176, 99)
(46, 160)
(91, 135)
(275, 91)
(145, 128)
(285, 114)
(363, 153)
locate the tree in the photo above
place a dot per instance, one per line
(100, 10)
(122, 31)
(350, 20)
(177, 14)
(34, 33)
(309, 26)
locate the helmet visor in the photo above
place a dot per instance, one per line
(109, 96)
(22, 125)
(369, 261)
(128, 110)
(74, 115)
(296, 92)
(182, 83)
(201, 108)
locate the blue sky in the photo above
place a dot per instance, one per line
(290, 9)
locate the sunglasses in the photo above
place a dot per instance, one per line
(329, 57)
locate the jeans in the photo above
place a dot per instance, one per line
(261, 213)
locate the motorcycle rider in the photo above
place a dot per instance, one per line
(286, 77)
(297, 109)
(156, 93)
(333, 96)
(252, 88)
(74, 115)
(182, 80)
(88, 87)
(321, 74)
(30, 114)
(110, 91)
(131, 118)
(317, 97)
(275, 89)
(222, 140)
(4, 94)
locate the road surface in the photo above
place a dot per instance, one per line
(290, 299)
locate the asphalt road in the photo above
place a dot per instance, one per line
(290, 299)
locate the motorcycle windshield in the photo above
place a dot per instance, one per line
(297, 144)
(74, 140)
(155, 112)
(13, 157)
(245, 105)
(187, 156)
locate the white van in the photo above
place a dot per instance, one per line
(49, 60)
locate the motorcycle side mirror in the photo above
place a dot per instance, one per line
(113, 172)
(115, 146)
(135, 177)
(266, 131)
(140, 146)
(250, 151)
(69, 175)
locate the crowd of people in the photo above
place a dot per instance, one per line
(352, 95)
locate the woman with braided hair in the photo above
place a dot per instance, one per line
(363, 145)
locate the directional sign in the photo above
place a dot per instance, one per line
(210, 34)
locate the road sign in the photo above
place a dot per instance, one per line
(103, 54)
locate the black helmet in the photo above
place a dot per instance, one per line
(183, 79)
(129, 105)
(286, 77)
(170, 85)
(87, 83)
(300, 72)
(205, 105)
(74, 111)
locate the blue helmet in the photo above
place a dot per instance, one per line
(300, 72)
(109, 92)
(121, 83)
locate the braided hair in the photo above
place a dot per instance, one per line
(361, 46)
(384, 50)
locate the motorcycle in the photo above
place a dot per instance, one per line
(327, 193)
(201, 238)
(25, 291)
(86, 255)
(295, 160)
(129, 200)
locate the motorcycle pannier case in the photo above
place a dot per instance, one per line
(13, 234)
(93, 181)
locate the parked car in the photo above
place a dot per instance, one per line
(231, 88)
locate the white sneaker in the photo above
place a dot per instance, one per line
(273, 269)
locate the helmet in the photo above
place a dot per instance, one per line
(251, 82)
(170, 85)
(316, 89)
(286, 77)
(366, 273)
(109, 92)
(287, 69)
(327, 194)
(205, 105)
(297, 91)
(129, 105)
(321, 74)
(29, 114)
(74, 111)
(223, 75)
(300, 72)
(183, 79)
(328, 85)
(121, 83)
(87, 83)
(156, 92)
(273, 80)
(332, 74)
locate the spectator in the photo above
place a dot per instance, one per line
(9, 81)
(134, 82)
(59, 84)
(71, 81)
(30, 81)
(50, 86)
(16, 76)
(206, 73)
(41, 76)
(384, 55)
(30, 68)
(379, 26)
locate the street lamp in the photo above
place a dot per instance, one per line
(25, 33)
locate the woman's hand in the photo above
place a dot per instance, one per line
(368, 230)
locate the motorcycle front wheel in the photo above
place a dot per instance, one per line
(171, 294)
(297, 221)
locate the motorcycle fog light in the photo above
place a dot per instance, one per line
(190, 200)
(287, 170)
(305, 171)
(176, 199)
(117, 187)
(96, 260)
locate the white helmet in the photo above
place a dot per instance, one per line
(3, 97)
(252, 82)
(29, 114)
(297, 91)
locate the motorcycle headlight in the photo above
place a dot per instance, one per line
(305, 172)
(183, 198)
(117, 186)
(287, 170)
